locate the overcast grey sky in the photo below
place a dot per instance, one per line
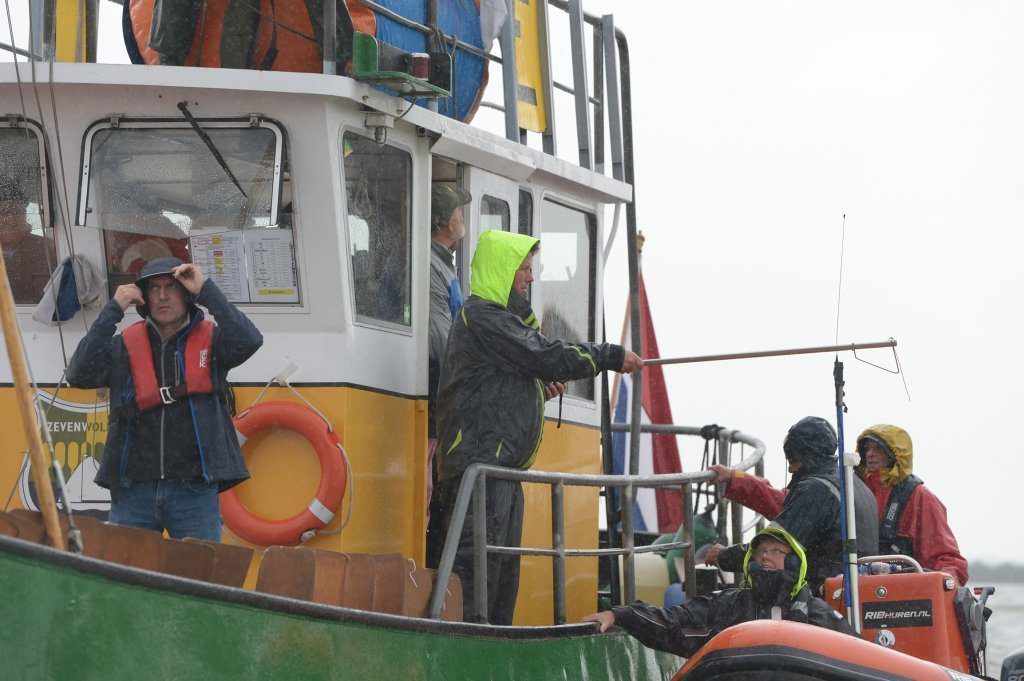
(757, 126)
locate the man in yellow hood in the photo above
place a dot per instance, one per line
(912, 520)
(497, 372)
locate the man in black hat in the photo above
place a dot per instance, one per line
(447, 227)
(171, 446)
(809, 509)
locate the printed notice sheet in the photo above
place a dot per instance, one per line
(221, 256)
(271, 259)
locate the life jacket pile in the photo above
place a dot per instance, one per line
(281, 36)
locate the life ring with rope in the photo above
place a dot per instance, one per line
(333, 476)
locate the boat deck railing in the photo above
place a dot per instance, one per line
(473, 490)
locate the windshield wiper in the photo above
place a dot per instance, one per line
(183, 107)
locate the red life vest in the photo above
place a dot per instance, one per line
(198, 356)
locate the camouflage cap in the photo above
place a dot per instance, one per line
(444, 199)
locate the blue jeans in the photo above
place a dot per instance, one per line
(184, 508)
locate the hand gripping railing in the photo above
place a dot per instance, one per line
(472, 489)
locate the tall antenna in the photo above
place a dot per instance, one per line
(839, 295)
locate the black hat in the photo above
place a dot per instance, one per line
(156, 268)
(810, 439)
(444, 199)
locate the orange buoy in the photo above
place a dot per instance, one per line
(333, 476)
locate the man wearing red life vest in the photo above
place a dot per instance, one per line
(171, 447)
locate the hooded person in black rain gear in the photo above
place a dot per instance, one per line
(773, 587)
(809, 509)
(497, 372)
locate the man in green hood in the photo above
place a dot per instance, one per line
(774, 587)
(497, 373)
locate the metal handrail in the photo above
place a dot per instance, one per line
(472, 489)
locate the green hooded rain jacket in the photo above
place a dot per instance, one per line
(490, 401)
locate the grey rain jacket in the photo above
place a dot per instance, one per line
(491, 396)
(683, 629)
(101, 360)
(445, 302)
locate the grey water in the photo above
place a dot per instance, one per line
(1006, 626)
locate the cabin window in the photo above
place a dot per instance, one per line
(160, 189)
(495, 214)
(378, 193)
(564, 300)
(525, 212)
(26, 233)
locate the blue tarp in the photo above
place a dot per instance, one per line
(460, 18)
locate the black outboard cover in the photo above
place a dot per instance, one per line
(1013, 666)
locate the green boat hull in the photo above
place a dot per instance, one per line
(67, 617)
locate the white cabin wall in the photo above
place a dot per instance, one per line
(318, 335)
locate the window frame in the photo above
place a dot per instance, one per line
(490, 200)
(47, 220)
(162, 123)
(345, 243)
(593, 225)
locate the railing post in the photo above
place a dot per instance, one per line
(509, 76)
(558, 544)
(451, 545)
(330, 38)
(599, 96)
(759, 472)
(580, 86)
(689, 552)
(725, 446)
(612, 74)
(480, 548)
(628, 573)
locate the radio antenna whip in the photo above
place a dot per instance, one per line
(839, 295)
(846, 498)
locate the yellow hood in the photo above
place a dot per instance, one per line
(899, 443)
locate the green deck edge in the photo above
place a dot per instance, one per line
(59, 623)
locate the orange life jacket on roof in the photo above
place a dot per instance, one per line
(284, 35)
(198, 356)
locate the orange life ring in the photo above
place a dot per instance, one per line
(333, 476)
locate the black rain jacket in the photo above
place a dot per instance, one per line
(101, 360)
(683, 629)
(811, 511)
(490, 402)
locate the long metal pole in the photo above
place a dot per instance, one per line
(891, 343)
(29, 416)
(848, 527)
(633, 259)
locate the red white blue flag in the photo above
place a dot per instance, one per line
(655, 510)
